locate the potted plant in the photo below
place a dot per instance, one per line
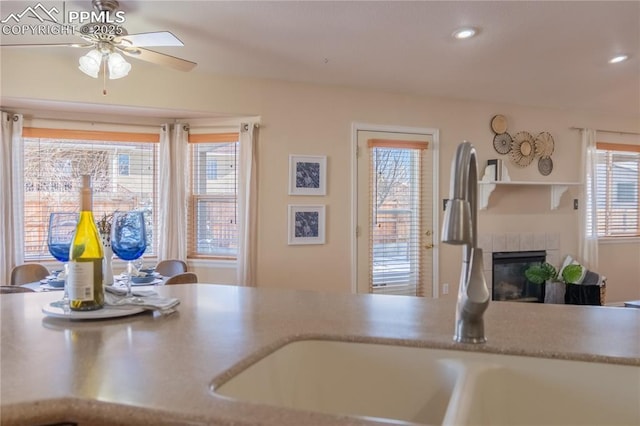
(555, 283)
(539, 274)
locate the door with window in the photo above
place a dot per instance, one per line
(396, 212)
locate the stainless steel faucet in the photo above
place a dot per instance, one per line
(461, 228)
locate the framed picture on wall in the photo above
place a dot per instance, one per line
(307, 175)
(306, 224)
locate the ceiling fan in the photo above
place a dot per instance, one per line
(107, 40)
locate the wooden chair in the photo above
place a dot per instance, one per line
(171, 267)
(6, 289)
(28, 273)
(183, 278)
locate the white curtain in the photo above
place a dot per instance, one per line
(247, 205)
(12, 211)
(173, 186)
(588, 243)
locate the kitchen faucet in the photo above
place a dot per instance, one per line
(460, 227)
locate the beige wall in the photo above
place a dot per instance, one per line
(309, 119)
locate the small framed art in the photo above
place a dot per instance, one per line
(307, 175)
(306, 224)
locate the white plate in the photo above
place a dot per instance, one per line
(50, 287)
(158, 280)
(120, 283)
(54, 309)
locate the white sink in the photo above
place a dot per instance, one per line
(433, 386)
(513, 390)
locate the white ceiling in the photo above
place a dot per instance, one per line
(537, 53)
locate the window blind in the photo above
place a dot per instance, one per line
(124, 176)
(618, 177)
(395, 238)
(213, 204)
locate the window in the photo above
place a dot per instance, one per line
(123, 164)
(212, 168)
(213, 203)
(397, 201)
(617, 190)
(55, 159)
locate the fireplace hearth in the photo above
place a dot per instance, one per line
(509, 280)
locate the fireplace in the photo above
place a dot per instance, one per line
(509, 280)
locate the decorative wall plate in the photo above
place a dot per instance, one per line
(544, 144)
(545, 166)
(502, 143)
(522, 149)
(499, 124)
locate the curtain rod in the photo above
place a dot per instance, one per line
(608, 131)
(130, 124)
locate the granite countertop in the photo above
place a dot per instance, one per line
(151, 369)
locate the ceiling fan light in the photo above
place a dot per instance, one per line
(90, 63)
(118, 67)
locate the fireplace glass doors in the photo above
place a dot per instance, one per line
(509, 280)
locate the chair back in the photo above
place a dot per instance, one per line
(184, 278)
(171, 267)
(28, 273)
(6, 289)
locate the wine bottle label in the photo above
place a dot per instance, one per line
(80, 281)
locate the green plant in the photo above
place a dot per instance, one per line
(539, 274)
(571, 273)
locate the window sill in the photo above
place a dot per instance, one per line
(619, 240)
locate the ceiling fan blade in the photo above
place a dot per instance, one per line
(160, 59)
(160, 38)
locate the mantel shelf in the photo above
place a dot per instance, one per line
(486, 188)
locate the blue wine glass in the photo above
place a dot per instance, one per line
(128, 239)
(62, 226)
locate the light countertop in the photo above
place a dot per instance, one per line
(150, 369)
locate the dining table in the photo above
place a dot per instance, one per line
(43, 285)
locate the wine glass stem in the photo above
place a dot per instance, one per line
(129, 270)
(65, 296)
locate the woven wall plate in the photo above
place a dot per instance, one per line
(522, 149)
(499, 124)
(544, 144)
(545, 166)
(502, 143)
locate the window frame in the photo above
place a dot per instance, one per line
(120, 164)
(195, 198)
(608, 149)
(411, 282)
(88, 136)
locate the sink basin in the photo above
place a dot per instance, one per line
(513, 390)
(435, 386)
(359, 379)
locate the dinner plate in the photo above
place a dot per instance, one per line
(48, 287)
(58, 284)
(54, 309)
(154, 282)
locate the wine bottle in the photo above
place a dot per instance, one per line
(85, 259)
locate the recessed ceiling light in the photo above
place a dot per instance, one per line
(619, 58)
(466, 32)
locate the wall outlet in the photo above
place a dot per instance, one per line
(445, 288)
